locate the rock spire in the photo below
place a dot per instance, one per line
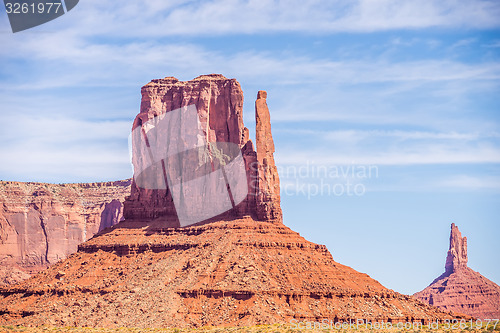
(461, 289)
(457, 254)
(268, 196)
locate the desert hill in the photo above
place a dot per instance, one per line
(461, 289)
(240, 272)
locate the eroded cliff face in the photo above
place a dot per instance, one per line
(219, 104)
(457, 254)
(461, 289)
(41, 224)
(225, 273)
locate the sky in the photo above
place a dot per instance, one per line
(385, 113)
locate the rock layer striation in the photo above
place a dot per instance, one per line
(227, 273)
(41, 224)
(219, 103)
(461, 289)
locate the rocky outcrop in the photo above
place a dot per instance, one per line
(226, 273)
(219, 104)
(456, 258)
(41, 224)
(268, 195)
(461, 289)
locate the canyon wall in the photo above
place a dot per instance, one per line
(41, 224)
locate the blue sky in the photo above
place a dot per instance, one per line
(408, 87)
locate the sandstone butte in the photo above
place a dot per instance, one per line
(41, 224)
(245, 267)
(461, 289)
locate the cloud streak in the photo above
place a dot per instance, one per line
(48, 149)
(82, 62)
(223, 17)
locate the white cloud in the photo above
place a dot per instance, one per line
(494, 44)
(463, 42)
(45, 149)
(417, 154)
(133, 18)
(470, 182)
(152, 18)
(64, 59)
(400, 135)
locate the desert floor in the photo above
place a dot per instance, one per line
(250, 329)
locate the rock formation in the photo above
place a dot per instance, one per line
(240, 272)
(43, 223)
(219, 103)
(243, 268)
(456, 258)
(268, 195)
(461, 289)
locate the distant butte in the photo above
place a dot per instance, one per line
(459, 288)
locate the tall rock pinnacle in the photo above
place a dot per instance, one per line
(268, 198)
(263, 136)
(461, 289)
(218, 102)
(457, 254)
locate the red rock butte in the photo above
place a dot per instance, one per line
(245, 267)
(461, 289)
(219, 102)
